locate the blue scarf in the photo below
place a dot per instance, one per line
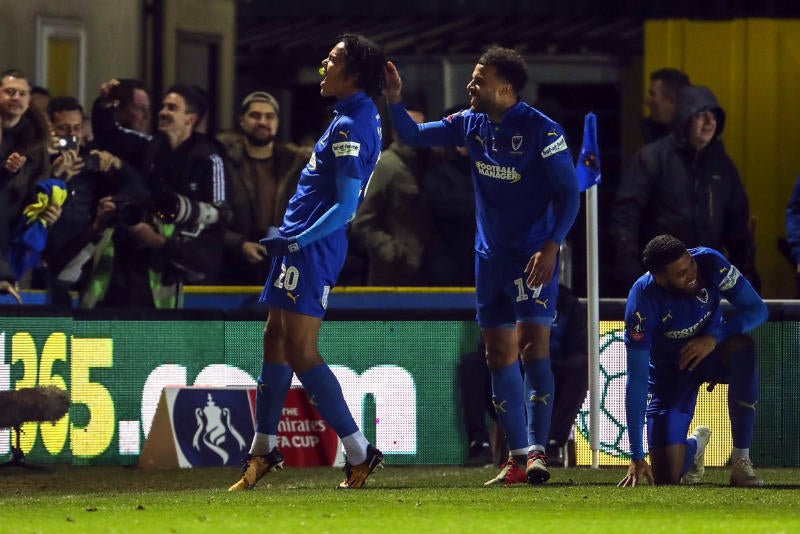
(30, 235)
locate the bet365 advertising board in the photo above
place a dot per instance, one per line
(398, 377)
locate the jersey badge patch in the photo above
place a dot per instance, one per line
(346, 148)
(555, 147)
(702, 296)
(730, 279)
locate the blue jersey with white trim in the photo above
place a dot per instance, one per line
(520, 168)
(661, 321)
(349, 147)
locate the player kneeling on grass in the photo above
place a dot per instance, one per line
(674, 329)
(308, 252)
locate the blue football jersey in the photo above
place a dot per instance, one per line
(349, 147)
(520, 167)
(661, 321)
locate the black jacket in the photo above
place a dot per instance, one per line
(670, 188)
(196, 171)
(29, 138)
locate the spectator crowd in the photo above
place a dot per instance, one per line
(149, 208)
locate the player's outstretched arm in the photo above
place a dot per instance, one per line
(636, 396)
(638, 470)
(347, 191)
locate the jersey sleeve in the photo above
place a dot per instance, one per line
(636, 399)
(347, 191)
(640, 318)
(447, 132)
(640, 330)
(751, 311)
(563, 179)
(352, 145)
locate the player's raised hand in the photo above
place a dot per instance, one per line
(392, 83)
(637, 470)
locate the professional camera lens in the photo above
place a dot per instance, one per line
(181, 210)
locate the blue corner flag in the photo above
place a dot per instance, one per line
(588, 166)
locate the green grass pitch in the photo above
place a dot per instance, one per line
(421, 499)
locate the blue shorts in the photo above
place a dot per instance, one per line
(301, 282)
(504, 297)
(673, 398)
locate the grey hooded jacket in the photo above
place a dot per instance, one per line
(696, 196)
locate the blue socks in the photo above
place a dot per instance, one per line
(273, 386)
(325, 393)
(743, 392)
(539, 390)
(508, 399)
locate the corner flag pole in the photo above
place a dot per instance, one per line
(589, 175)
(593, 321)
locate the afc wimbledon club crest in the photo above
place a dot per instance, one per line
(213, 428)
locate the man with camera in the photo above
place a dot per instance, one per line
(66, 120)
(174, 233)
(90, 175)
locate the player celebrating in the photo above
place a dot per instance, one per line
(674, 323)
(526, 195)
(309, 252)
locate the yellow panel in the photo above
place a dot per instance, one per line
(760, 169)
(788, 127)
(711, 411)
(663, 45)
(62, 66)
(753, 66)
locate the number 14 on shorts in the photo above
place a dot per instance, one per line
(523, 288)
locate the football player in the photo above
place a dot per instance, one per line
(526, 195)
(677, 339)
(309, 251)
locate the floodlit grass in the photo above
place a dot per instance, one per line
(398, 499)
